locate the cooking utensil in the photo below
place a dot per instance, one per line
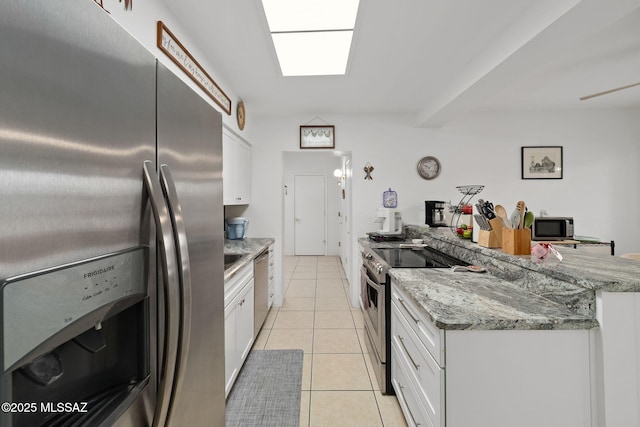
(501, 212)
(514, 219)
(482, 222)
(528, 219)
(488, 210)
(471, 268)
(521, 208)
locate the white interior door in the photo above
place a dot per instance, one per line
(310, 217)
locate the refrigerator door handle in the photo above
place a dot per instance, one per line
(184, 274)
(168, 260)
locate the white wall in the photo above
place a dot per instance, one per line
(141, 23)
(599, 189)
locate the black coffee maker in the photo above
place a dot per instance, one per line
(434, 213)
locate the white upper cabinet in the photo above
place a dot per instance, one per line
(236, 169)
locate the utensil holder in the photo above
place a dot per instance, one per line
(489, 239)
(516, 241)
(492, 238)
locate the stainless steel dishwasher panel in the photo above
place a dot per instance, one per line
(261, 289)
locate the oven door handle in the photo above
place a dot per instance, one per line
(374, 285)
(184, 276)
(168, 261)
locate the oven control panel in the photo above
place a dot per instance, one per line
(375, 265)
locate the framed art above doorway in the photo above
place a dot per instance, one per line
(317, 136)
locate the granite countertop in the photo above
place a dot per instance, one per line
(587, 271)
(248, 248)
(465, 300)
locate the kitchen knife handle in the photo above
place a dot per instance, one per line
(184, 275)
(167, 249)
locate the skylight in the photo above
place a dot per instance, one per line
(311, 37)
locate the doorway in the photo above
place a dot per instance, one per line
(310, 215)
(308, 168)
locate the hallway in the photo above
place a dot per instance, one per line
(338, 386)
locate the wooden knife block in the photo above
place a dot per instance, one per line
(492, 238)
(489, 239)
(516, 241)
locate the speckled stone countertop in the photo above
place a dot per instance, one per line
(572, 281)
(464, 300)
(248, 248)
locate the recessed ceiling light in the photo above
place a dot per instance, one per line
(311, 37)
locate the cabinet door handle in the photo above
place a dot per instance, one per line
(401, 387)
(406, 350)
(415, 319)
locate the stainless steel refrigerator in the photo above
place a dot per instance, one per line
(109, 166)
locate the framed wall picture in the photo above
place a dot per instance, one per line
(542, 162)
(317, 136)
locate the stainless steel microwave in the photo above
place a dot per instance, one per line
(552, 228)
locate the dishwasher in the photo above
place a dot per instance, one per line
(261, 289)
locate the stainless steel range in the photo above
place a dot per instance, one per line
(376, 298)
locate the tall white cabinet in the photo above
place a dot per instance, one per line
(236, 169)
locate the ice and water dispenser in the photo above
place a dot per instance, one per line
(76, 335)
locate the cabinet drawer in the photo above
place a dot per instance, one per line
(413, 410)
(427, 377)
(234, 285)
(429, 334)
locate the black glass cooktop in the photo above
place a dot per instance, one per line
(412, 258)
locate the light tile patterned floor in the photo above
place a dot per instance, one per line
(338, 386)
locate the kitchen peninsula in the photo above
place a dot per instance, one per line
(531, 342)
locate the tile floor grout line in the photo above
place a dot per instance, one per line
(353, 327)
(313, 334)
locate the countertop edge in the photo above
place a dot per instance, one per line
(249, 248)
(481, 301)
(425, 293)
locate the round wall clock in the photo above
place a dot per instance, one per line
(429, 167)
(240, 115)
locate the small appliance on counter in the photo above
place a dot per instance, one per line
(552, 228)
(390, 220)
(237, 228)
(434, 213)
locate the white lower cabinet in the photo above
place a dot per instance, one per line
(408, 396)
(238, 323)
(487, 378)
(423, 381)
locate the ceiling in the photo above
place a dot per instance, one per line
(436, 59)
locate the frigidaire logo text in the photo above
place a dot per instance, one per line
(99, 271)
